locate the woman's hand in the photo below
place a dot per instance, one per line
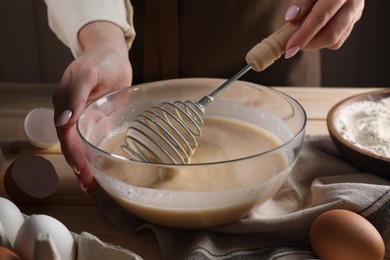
(103, 67)
(327, 23)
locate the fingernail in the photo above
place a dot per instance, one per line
(76, 171)
(291, 52)
(82, 187)
(292, 12)
(64, 118)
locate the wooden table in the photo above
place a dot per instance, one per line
(69, 204)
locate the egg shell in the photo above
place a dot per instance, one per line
(30, 179)
(43, 224)
(39, 127)
(345, 235)
(11, 219)
(7, 254)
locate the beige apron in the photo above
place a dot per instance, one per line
(210, 38)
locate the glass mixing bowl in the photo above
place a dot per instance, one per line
(206, 193)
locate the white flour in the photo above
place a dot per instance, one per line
(367, 124)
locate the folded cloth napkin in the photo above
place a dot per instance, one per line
(278, 229)
(87, 247)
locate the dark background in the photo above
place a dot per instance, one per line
(31, 53)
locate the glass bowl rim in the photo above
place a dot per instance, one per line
(289, 99)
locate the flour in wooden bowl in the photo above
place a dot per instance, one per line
(367, 125)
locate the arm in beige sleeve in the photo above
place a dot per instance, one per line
(67, 17)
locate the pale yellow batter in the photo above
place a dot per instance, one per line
(223, 139)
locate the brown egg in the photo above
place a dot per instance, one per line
(6, 254)
(30, 179)
(345, 235)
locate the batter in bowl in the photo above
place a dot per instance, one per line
(233, 186)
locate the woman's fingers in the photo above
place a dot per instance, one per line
(69, 101)
(326, 24)
(74, 155)
(337, 30)
(317, 18)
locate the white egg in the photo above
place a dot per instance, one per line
(10, 218)
(43, 224)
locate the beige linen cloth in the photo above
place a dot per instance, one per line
(279, 229)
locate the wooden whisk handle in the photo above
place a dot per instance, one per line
(271, 48)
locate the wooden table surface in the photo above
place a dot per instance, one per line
(78, 211)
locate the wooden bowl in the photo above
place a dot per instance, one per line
(363, 159)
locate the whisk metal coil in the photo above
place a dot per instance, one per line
(165, 133)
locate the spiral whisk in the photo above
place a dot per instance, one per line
(165, 133)
(169, 133)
